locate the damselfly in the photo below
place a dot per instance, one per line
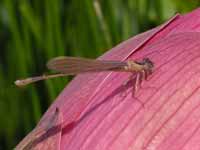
(65, 66)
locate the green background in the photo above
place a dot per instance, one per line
(33, 31)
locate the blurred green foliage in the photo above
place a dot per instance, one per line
(33, 31)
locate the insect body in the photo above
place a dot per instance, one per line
(65, 65)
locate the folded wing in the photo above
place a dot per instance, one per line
(75, 65)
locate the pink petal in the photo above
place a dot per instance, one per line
(46, 135)
(99, 112)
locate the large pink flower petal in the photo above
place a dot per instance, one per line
(100, 113)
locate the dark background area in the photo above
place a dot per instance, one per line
(34, 31)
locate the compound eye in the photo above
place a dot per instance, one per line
(149, 62)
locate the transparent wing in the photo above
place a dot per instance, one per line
(75, 65)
